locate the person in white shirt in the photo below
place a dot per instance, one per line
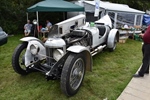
(48, 24)
(27, 28)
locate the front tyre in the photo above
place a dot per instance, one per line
(72, 74)
(18, 59)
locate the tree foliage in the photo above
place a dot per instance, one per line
(13, 12)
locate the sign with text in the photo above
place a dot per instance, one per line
(96, 14)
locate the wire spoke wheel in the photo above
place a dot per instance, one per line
(18, 59)
(72, 74)
(22, 59)
(76, 74)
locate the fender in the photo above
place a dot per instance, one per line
(30, 58)
(26, 39)
(111, 37)
(86, 52)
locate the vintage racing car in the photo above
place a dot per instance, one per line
(67, 52)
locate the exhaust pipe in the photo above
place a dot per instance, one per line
(98, 49)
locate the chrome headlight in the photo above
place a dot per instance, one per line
(57, 54)
(34, 49)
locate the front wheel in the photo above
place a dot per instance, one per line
(72, 74)
(18, 59)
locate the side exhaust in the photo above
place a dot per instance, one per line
(98, 49)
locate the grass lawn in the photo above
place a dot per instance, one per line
(111, 73)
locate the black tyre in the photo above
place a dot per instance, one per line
(114, 45)
(18, 59)
(72, 74)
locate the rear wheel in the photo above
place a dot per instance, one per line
(114, 45)
(18, 59)
(72, 74)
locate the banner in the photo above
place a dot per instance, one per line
(96, 14)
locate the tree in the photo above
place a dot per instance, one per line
(13, 14)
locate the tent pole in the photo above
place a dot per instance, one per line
(37, 16)
(27, 16)
(115, 20)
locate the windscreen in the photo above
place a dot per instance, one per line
(53, 32)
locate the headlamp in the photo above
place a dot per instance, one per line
(34, 49)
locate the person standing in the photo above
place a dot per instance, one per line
(27, 28)
(146, 54)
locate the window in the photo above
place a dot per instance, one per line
(125, 18)
(138, 20)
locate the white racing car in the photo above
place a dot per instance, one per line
(67, 52)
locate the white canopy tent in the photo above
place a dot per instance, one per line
(114, 7)
(120, 13)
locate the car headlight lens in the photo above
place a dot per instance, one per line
(57, 54)
(34, 49)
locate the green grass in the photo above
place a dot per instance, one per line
(111, 73)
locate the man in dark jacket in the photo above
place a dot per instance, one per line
(146, 54)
